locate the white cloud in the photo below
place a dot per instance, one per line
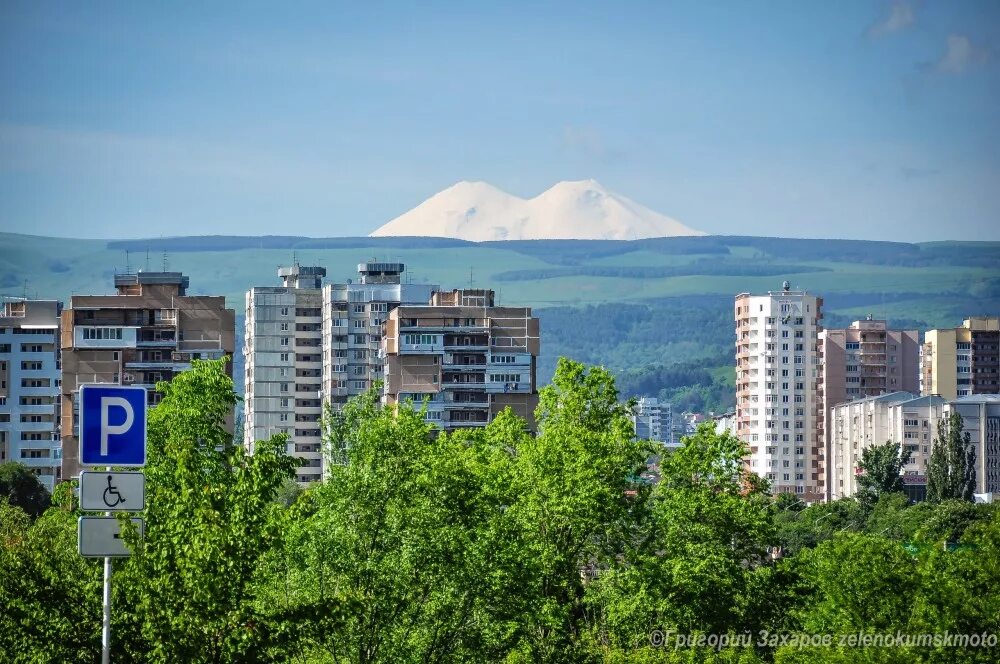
(959, 54)
(902, 14)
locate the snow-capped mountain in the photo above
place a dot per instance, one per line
(579, 210)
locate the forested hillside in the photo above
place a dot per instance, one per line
(657, 312)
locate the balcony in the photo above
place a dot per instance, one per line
(47, 462)
(165, 365)
(465, 368)
(459, 424)
(45, 409)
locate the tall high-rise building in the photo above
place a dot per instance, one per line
(466, 357)
(29, 386)
(283, 361)
(962, 361)
(353, 318)
(863, 360)
(148, 331)
(777, 403)
(307, 343)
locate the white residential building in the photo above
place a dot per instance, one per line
(306, 344)
(899, 417)
(283, 365)
(777, 398)
(29, 386)
(647, 419)
(981, 420)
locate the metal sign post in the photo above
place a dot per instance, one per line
(112, 432)
(106, 603)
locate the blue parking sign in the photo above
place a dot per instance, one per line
(112, 425)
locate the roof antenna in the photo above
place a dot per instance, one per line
(128, 268)
(147, 258)
(164, 261)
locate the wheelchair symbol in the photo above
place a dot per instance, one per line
(111, 493)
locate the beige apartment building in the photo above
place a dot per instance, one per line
(863, 360)
(900, 417)
(148, 331)
(29, 386)
(466, 357)
(962, 361)
(777, 403)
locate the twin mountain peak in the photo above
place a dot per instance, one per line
(578, 210)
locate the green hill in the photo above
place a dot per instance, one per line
(658, 311)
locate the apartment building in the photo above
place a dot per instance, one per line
(900, 417)
(353, 318)
(647, 419)
(148, 331)
(29, 386)
(863, 360)
(962, 361)
(777, 400)
(981, 420)
(466, 357)
(307, 343)
(283, 364)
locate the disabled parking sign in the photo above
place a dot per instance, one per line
(112, 425)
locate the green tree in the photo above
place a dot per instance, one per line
(951, 470)
(883, 467)
(405, 553)
(190, 587)
(21, 487)
(577, 501)
(704, 565)
(50, 597)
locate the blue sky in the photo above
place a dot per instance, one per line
(869, 120)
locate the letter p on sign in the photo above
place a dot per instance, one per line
(112, 425)
(109, 430)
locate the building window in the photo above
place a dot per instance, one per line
(284, 387)
(284, 327)
(102, 333)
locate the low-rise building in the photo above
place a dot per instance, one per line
(899, 417)
(981, 420)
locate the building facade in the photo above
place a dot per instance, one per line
(962, 361)
(647, 419)
(307, 343)
(777, 400)
(899, 417)
(283, 361)
(463, 356)
(148, 331)
(29, 387)
(981, 420)
(863, 360)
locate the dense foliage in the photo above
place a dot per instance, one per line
(21, 488)
(493, 545)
